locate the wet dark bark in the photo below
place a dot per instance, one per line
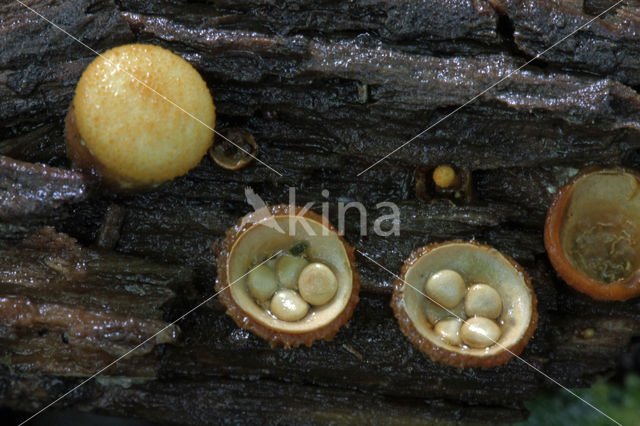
(327, 88)
(608, 47)
(35, 190)
(69, 310)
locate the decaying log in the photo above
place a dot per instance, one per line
(68, 310)
(327, 89)
(609, 47)
(28, 189)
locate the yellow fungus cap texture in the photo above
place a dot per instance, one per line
(132, 131)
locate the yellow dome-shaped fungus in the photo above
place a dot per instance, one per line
(141, 116)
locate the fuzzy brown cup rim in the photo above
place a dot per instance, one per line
(622, 289)
(439, 353)
(273, 336)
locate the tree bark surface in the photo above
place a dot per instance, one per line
(327, 89)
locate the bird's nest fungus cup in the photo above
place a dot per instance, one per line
(235, 148)
(592, 233)
(465, 304)
(141, 115)
(286, 275)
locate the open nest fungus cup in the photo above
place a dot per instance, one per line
(592, 233)
(465, 304)
(286, 275)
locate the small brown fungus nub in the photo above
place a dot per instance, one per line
(443, 182)
(234, 148)
(588, 333)
(445, 177)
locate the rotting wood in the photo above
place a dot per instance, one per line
(284, 76)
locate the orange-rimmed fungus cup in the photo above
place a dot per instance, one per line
(592, 233)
